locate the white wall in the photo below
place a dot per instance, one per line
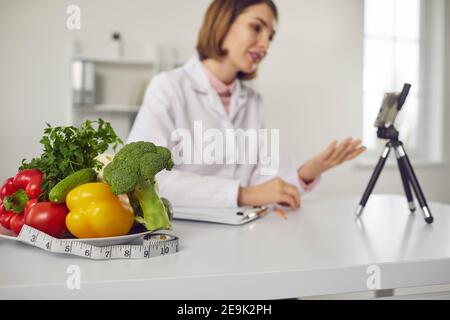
(36, 49)
(311, 81)
(33, 77)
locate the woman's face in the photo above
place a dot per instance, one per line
(249, 37)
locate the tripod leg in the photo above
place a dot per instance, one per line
(405, 180)
(415, 184)
(373, 180)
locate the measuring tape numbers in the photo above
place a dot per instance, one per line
(153, 245)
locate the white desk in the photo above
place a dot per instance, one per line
(320, 249)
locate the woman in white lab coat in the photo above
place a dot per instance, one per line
(206, 98)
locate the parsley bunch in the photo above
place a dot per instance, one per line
(69, 149)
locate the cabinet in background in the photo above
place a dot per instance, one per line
(113, 87)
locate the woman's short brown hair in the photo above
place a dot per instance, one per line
(217, 22)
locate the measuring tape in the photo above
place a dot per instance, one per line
(153, 245)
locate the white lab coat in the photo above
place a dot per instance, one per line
(178, 98)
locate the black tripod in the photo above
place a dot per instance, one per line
(406, 170)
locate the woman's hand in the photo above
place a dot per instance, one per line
(273, 191)
(332, 156)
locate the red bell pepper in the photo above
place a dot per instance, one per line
(18, 194)
(30, 180)
(8, 188)
(13, 207)
(16, 202)
(5, 217)
(16, 223)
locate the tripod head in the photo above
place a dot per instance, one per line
(391, 105)
(389, 133)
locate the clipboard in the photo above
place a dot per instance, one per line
(233, 216)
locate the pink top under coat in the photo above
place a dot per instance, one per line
(223, 90)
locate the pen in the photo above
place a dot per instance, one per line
(255, 213)
(281, 213)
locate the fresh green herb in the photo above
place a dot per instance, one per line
(69, 149)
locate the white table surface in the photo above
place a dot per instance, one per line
(320, 249)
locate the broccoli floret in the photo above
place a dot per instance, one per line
(133, 171)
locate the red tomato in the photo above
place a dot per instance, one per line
(17, 222)
(48, 217)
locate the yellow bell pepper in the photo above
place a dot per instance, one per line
(96, 212)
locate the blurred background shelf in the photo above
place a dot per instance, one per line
(123, 61)
(110, 87)
(107, 108)
(109, 78)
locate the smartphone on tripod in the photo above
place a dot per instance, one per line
(392, 103)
